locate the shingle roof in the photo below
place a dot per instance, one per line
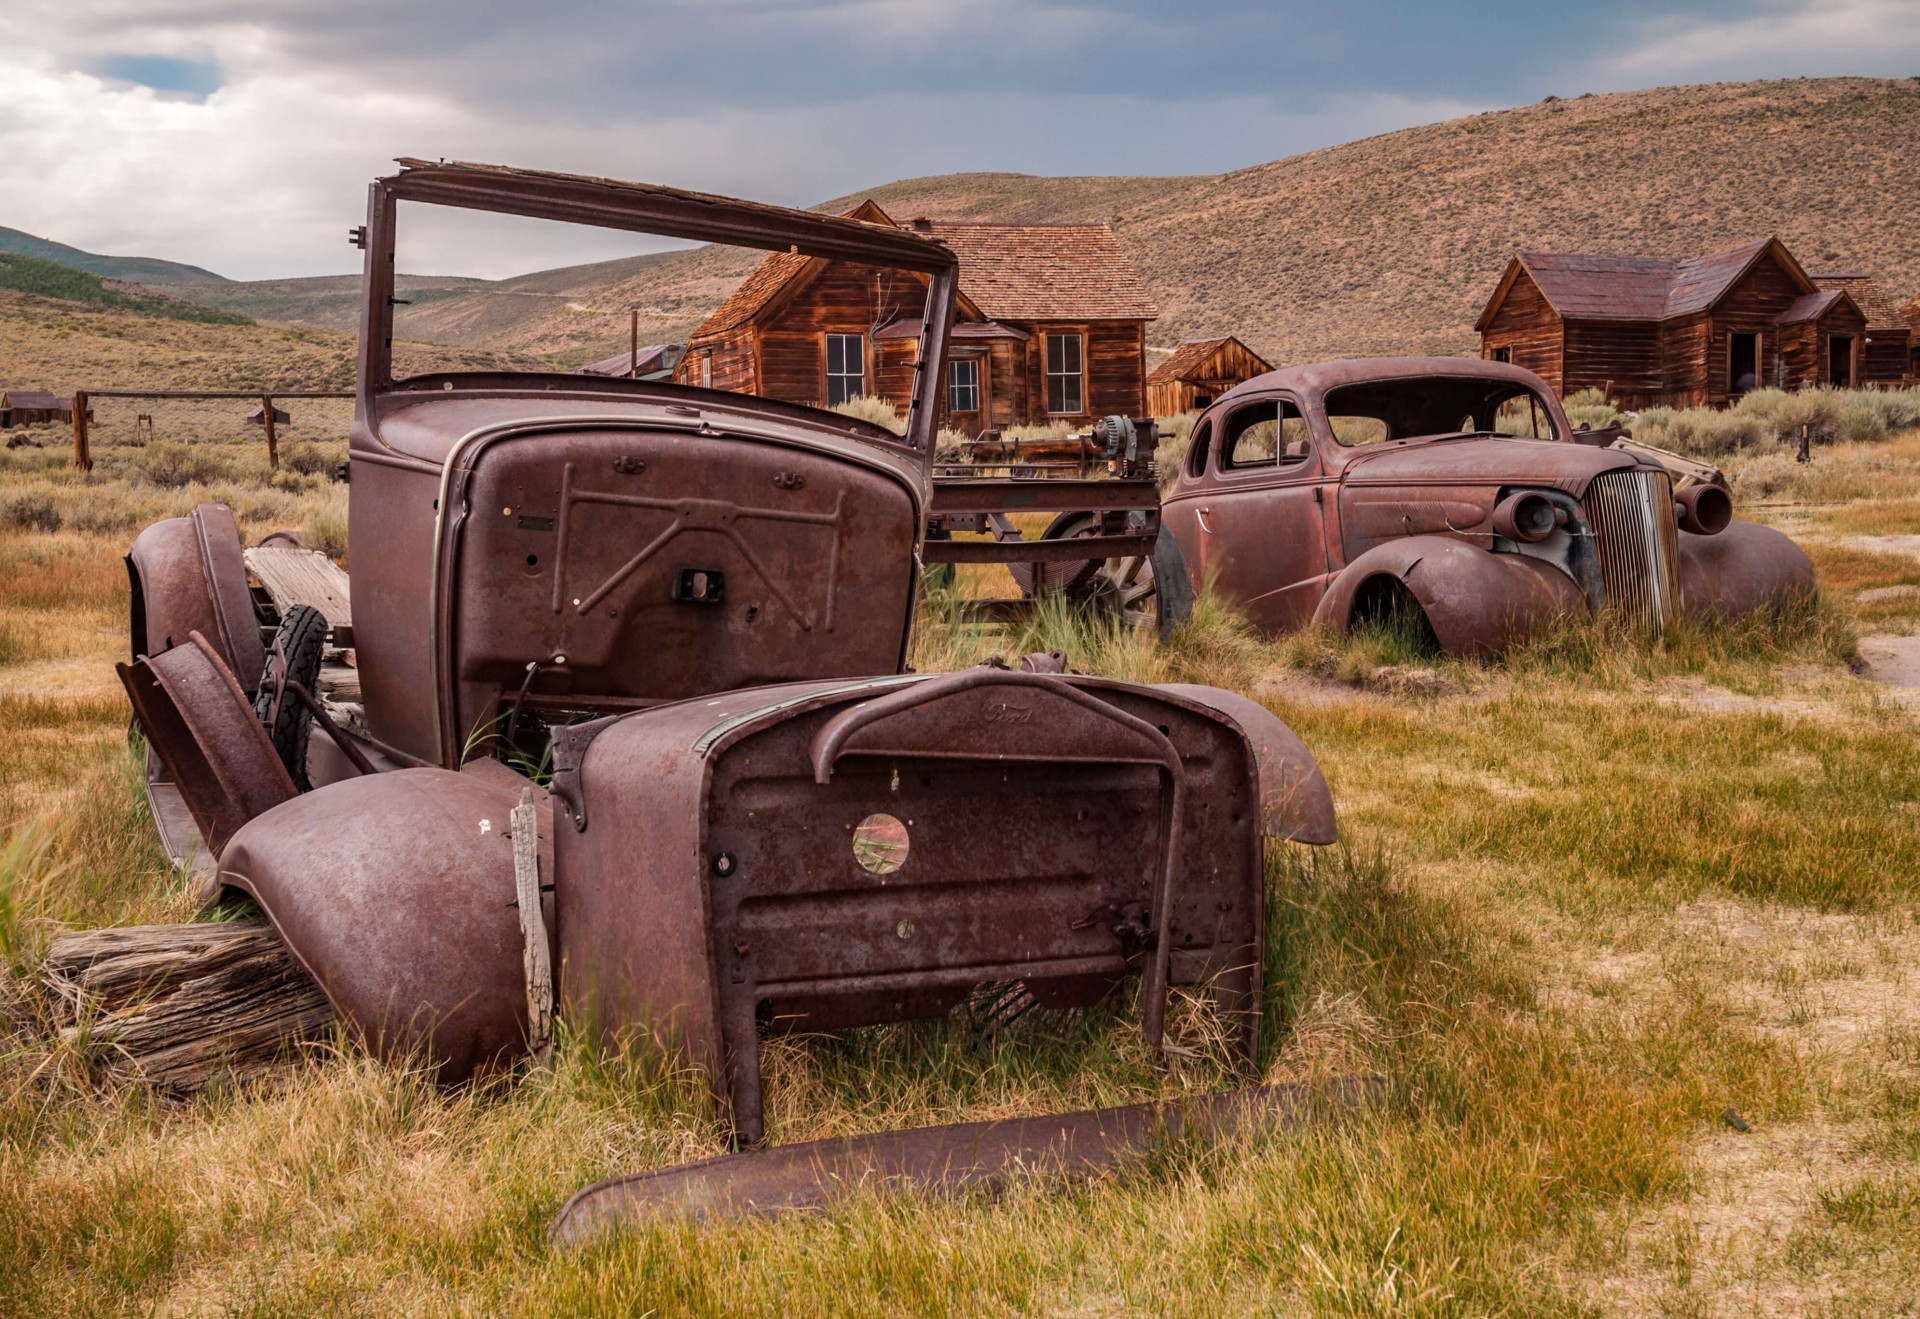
(1613, 288)
(1023, 272)
(1911, 311)
(1812, 306)
(35, 399)
(1699, 281)
(1046, 272)
(1869, 297)
(1191, 356)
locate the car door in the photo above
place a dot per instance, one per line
(1260, 520)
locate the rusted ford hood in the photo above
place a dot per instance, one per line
(1567, 467)
(423, 427)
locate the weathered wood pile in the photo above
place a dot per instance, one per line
(177, 1005)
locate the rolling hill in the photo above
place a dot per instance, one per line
(139, 269)
(1390, 244)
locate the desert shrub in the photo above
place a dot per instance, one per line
(1175, 434)
(311, 459)
(1592, 408)
(326, 523)
(1700, 432)
(33, 510)
(172, 465)
(866, 407)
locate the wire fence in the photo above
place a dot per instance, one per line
(304, 428)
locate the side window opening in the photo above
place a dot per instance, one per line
(1197, 447)
(1270, 434)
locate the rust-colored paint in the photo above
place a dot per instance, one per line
(1330, 534)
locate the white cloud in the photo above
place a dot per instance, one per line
(1808, 38)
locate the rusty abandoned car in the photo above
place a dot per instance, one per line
(634, 707)
(1345, 491)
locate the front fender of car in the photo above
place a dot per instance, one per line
(1743, 568)
(1475, 600)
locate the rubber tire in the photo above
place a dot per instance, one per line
(1172, 585)
(301, 638)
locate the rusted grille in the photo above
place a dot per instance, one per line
(1633, 528)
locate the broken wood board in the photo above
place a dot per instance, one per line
(303, 577)
(179, 1005)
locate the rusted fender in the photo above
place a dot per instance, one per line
(1745, 567)
(1476, 600)
(1294, 801)
(202, 727)
(396, 892)
(946, 1161)
(186, 575)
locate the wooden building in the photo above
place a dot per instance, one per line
(1886, 339)
(1200, 371)
(653, 361)
(1910, 313)
(1051, 326)
(25, 407)
(1652, 330)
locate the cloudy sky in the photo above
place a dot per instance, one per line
(240, 136)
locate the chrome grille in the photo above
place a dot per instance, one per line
(1638, 544)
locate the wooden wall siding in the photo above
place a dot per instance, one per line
(1530, 329)
(1684, 344)
(1751, 306)
(1114, 366)
(1228, 365)
(1621, 356)
(1885, 359)
(1800, 354)
(733, 364)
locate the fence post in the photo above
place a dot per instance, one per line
(266, 416)
(82, 458)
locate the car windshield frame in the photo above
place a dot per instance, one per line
(1477, 398)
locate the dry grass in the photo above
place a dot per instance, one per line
(1534, 930)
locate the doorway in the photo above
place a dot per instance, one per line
(1840, 361)
(1743, 363)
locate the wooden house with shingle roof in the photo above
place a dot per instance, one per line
(1050, 326)
(1683, 333)
(1887, 341)
(1200, 371)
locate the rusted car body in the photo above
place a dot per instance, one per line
(1332, 493)
(663, 630)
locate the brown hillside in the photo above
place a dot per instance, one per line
(1390, 244)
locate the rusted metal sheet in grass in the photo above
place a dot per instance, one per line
(944, 1160)
(811, 857)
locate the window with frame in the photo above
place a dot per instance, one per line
(1066, 374)
(1270, 434)
(963, 385)
(1503, 354)
(846, 367)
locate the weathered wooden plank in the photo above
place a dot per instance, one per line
(177, 1005)
(303, 577)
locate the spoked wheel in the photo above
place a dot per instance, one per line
(1145, 590)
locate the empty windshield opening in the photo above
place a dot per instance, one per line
(1381, 410)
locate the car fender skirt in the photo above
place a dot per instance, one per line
(1475, 600)
(1741, 569)
(396, 893)
(1294, 802)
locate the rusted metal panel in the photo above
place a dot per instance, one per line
(202, 728)
(1743, 568)
(187, 576)
(943, 1161)
(396, 892)
(1317, 537)
(721, 868)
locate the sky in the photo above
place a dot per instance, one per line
(240, 136)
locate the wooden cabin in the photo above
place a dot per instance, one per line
(27, 407)
(1050, 326)
(1700, 332)
(1886, 338)
(1200, 371)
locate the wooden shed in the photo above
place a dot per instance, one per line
(1199, 371)
(1703, 331)
(1050, 326)
(1910, 313)
(1886, 342)
(24, 407)
(649, 362)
